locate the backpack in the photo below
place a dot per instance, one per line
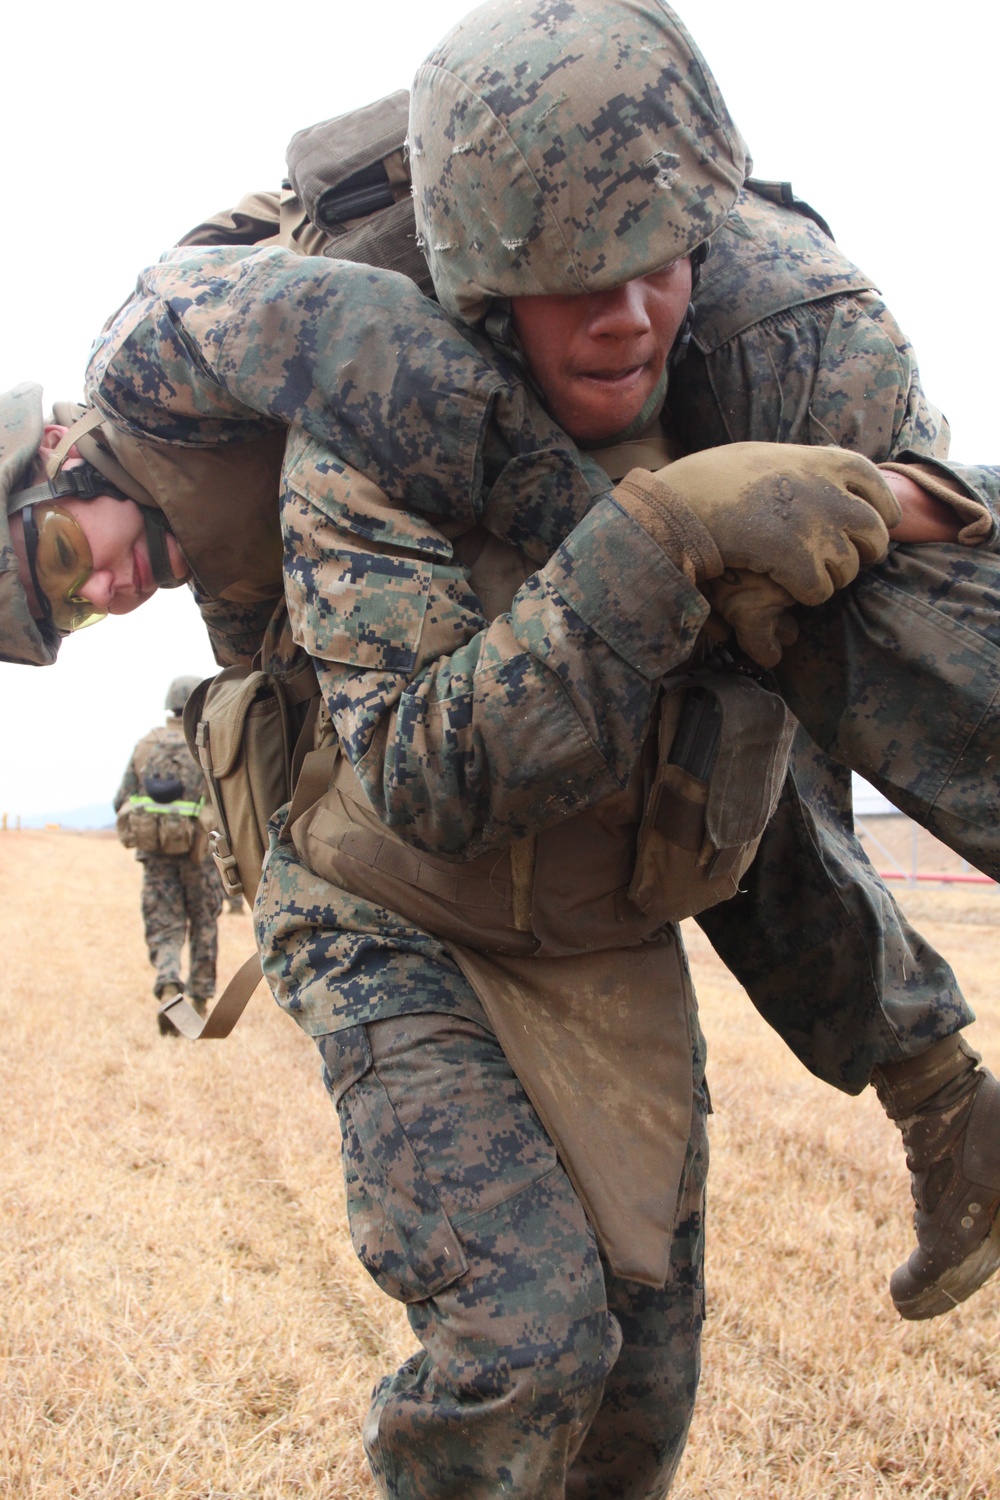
(162, 818)
(352, 179)
(251, 729)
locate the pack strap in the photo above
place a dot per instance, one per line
(224, 1013)
(313, 780)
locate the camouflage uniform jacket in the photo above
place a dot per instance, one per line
(465, 735)
(791, 342)
(440, 437)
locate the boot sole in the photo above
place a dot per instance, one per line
(956, 1284)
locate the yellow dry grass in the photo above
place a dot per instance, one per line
(183, 1315)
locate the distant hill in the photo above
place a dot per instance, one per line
(96, 815)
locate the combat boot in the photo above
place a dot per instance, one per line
(200, 1003)
(168, 993)
(948, 1112)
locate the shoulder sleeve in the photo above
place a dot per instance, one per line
(236, 631)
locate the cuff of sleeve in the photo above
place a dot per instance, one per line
(627, 590)
(975, 515)
(674, 527)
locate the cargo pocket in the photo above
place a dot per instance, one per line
(724, 742)
(399, 1229)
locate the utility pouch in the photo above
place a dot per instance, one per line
(724, 744)
(351, 176)
(177, 834)
(243, 725)
(136, 829)
(237, 725)
(143, 823)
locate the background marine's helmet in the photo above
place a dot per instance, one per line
(566, 146)
(179, 692)
(22, 639)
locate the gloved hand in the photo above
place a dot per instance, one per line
(807, 517)
(757, 609)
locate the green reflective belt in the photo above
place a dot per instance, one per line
(182, 809)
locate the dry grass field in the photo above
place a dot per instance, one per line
(182, 1315)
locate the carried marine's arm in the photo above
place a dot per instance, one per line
(466, 733)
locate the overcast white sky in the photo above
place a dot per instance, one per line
(124, 123)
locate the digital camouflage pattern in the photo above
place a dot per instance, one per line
(181, 896)
(182, 899)
(329, 954)
(377, 671)
(561, 148)
(21, 427)
(460, 1207)
(867, 708)
(169, 738)
(425, 724)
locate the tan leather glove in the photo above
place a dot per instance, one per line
(758, 610)
(807, 517)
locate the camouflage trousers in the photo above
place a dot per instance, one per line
(541, 1375)
(898, 678)
(181, 899)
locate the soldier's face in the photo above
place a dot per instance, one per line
(598, 356)
(122, 577)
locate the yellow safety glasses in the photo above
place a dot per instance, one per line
(60, 560)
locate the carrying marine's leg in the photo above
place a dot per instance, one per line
(636, 1440)
(460, 1207)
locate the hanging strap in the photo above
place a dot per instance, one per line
(224, 1013)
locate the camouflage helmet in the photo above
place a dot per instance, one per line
(566, 146)
(22, 638)
(179, 692)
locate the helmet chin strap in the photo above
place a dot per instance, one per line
(157, 532)
(81, 482)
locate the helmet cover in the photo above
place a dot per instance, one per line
(179, 692)
(22, 638)
(566, 146)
